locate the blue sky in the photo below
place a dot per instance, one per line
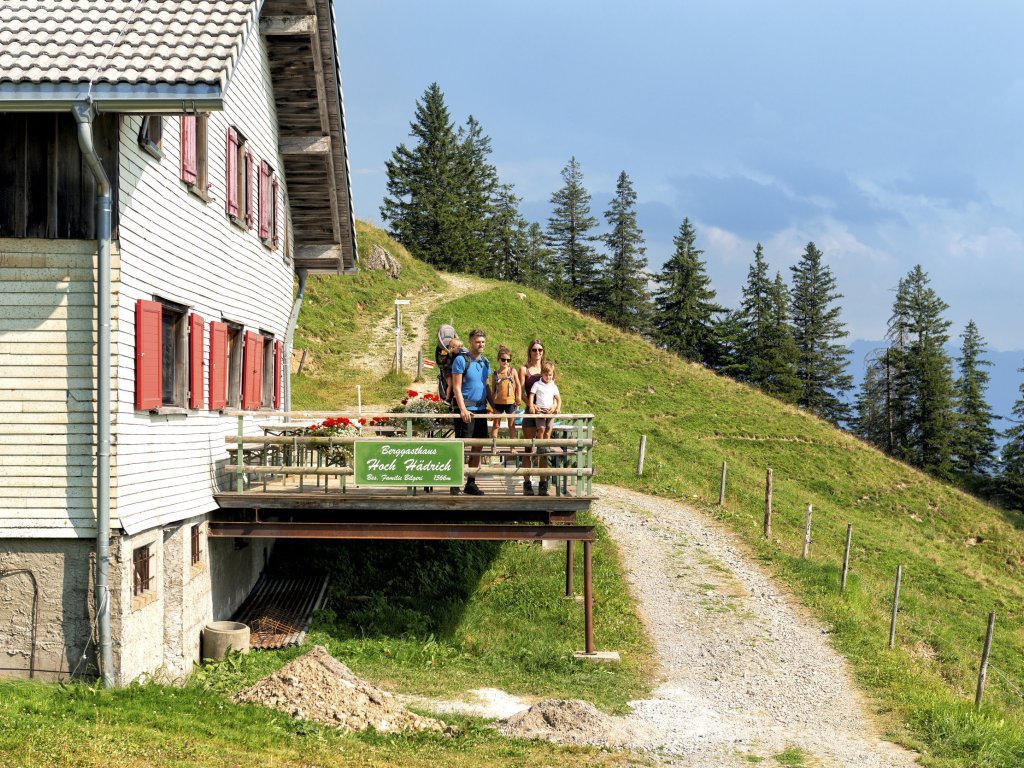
(890, 134)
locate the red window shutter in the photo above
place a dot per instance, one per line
(277, 373)
(189, 166)
(264, 200)
(250, 197)
(218, 366)
(252, 379)
(231, 164)
(148, 349)
(275, 206)
(196, 325)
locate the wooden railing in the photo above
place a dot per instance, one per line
(295, 452)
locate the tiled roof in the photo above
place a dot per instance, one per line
(152, 42)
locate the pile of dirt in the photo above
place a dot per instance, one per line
(318, 687)
(565, 721)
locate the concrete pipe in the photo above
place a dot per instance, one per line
(220, 637)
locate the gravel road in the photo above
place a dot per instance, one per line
(743, 673)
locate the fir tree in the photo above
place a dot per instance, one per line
(778, 351)
(477, 181)
(624, 298)
(510, 241)
(1011, 474)
(685, 309)
(422, 205)
(575, 261)
(537, 259)
(821, 362)
(923, 394)
(441, 190)
(753, 319)
(975, 438)
(873, 420)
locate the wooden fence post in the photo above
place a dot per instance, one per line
(721, 487)
(419, 365)
(640, 456)
(846, 556)
(895, 607)
(302, 362)
(982, 673)
(807, 533)
(768, 504)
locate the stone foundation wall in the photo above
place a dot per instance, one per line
(154, 633)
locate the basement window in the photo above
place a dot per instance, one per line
(142, 571)
(195, 538)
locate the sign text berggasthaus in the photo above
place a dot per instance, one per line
(413, 462)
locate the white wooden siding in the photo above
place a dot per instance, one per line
(178, 247)
(47, 387)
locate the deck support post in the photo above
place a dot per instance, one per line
(240, 457)
(588, 595)
(568, 569)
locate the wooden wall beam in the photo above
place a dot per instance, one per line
(287, 25)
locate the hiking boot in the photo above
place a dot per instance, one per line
(543, 490)
(473, 489)
(455, 490)
(527, 488)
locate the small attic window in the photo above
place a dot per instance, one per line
(151, 135)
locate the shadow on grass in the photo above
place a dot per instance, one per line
(377, 589)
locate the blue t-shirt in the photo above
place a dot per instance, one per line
(475, 374)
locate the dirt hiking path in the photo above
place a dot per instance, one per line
(380, 348)
(744, 673)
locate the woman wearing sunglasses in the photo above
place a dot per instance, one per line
(529, 374)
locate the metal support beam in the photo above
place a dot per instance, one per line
(419, 531)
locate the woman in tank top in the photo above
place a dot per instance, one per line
(529, 374)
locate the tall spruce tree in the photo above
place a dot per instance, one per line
(752, 321)
(685, 313)
(441, 189)
(821, 361)
(478, 185)
(422, 208)
(975, 445)
(778, 349)
(624, 298)
(923, 394)
(509, 239)
(873, 417)
(1011, 470)
(575, 261)
(537, 259)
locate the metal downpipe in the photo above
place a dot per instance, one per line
(293, 321)
(84, 115)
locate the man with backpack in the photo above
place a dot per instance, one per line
(471, 390)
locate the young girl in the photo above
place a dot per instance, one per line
(545, 398)
(505, 388)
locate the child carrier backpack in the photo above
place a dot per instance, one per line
(443, 360)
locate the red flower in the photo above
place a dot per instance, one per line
(411, 392)
(345, 421)
(363, 422)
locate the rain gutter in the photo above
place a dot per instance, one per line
(84, 114)
(288, 337)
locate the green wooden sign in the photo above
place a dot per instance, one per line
(408, 463)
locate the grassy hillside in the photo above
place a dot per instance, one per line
(335, 325)
(961, 558)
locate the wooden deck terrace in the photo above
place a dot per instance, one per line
(292, 483)
(289, 474)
